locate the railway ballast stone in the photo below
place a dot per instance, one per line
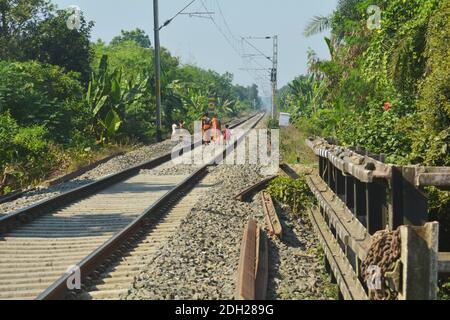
(200, 260)
(115, 165)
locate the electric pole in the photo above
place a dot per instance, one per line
(157, 29)
(273, 71)
(274, 76)
(157, 70)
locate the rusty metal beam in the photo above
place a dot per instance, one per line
(440, 180)
(272, 222)
(348, 229)
(289, 171)
(253, 269)
(346, 278)
(248, 192)
(364, 168)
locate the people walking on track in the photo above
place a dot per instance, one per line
(226, 134)
(216, 132)
(206, 126)
(174, 130)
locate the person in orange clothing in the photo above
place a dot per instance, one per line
(206, 125)
(216, 128)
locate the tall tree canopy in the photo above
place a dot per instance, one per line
(139, 36)
(35, 30)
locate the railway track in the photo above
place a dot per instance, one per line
(114, 278)
(107, 229)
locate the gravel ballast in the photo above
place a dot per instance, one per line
(296, 270)
(200, 261)
(115, 165)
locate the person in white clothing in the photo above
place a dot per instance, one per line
(174, 129)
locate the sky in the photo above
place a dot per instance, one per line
(218, 46)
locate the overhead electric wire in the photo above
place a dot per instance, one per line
(178, 13)
(220, 29)
(225, 20)
(254, 47)
(229, 39)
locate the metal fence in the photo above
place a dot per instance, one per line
(359, 195)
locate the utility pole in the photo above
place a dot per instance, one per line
(274, 76)
(157, 29)
(273, 71)
(157, 70)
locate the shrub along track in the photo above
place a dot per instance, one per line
(100, 216)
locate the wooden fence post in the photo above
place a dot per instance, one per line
(419, 256)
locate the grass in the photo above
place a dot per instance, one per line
(73, 160)
(293, 147)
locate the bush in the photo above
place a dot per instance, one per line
(380, 132)
(39, 94)
(273, 124)
(293, 192)
(25, 156)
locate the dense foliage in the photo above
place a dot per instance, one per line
(405, 63)
(35, 30)
(24, 150)
(62, 96)
(39, 94)
(294, 192)
(386, 90)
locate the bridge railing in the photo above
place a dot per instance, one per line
(359, 195)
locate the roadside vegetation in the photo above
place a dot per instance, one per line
(293, 192)
(386, 90)
(65, 101)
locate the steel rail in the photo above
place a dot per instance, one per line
(59, 288)
(27, 214)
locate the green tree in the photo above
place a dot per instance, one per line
(25, 155)
(108, 96)
(432, 140)
(34, 30)
(53, 43)
(40, 94)
(138, 36)
(17, 19)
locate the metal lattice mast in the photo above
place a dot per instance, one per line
(274, 76)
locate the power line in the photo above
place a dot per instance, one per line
(178, 13)
(222, 32)
(254, 47)
(225, 20)
(229, 38)
(220, 29)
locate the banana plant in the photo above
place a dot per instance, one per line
(108, 95)
(194, 100)
(227, 107)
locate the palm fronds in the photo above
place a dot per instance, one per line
(317, 25)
